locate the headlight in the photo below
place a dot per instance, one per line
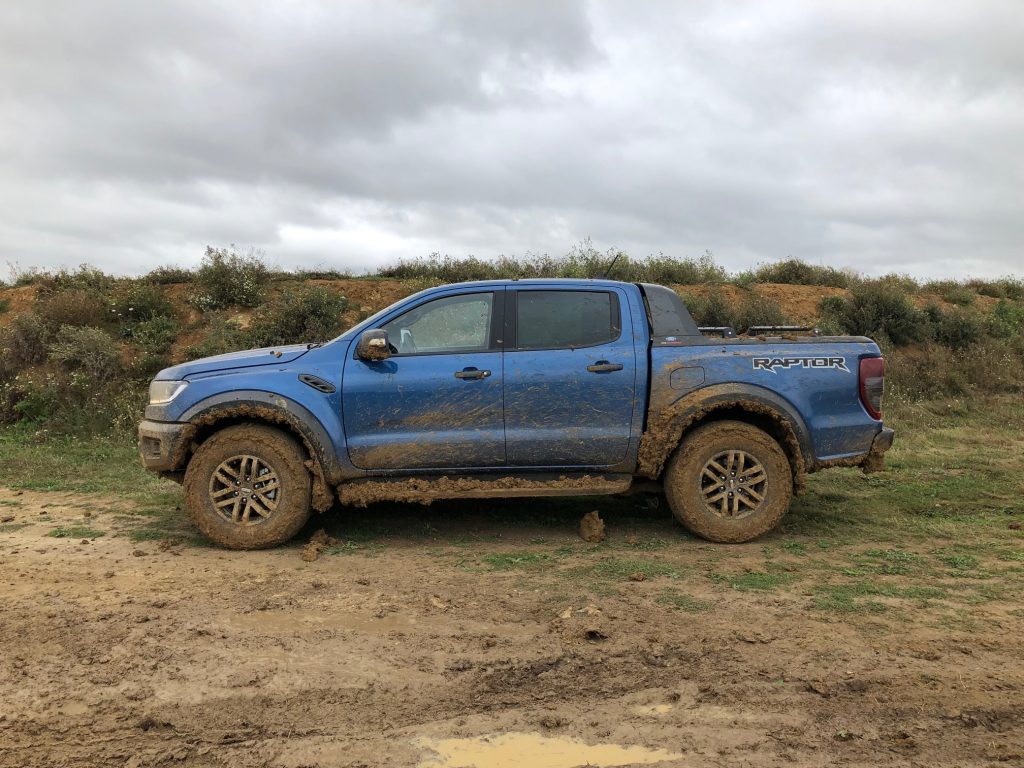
(161, 392)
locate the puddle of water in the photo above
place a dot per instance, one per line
(514, 750)
(652, 709)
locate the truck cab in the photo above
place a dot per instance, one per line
(505, 388)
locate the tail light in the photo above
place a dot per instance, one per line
(872, 382)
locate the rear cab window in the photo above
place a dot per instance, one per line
(563, 319)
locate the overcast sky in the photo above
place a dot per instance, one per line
(877, 136)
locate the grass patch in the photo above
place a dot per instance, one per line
(856, 597)
(507, 561)
(753, 581)
(100, 465)
(960, 562)
(11, 527)
(76, 532)
(683, 602)
(626, 569)
(147, 534)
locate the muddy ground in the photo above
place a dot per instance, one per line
(392, 651)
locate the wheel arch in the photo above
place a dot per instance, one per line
(215, 413)
(757, 406)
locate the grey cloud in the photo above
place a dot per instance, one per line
(350, 134)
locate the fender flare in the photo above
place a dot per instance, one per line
(272, 407)
(665, 429)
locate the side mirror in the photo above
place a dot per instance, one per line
(373, 345)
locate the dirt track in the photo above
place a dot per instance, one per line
(119, 653)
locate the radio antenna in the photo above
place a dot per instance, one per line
(609, 269)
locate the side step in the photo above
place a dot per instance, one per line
(424, 489)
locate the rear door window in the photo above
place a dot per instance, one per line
(566, 319)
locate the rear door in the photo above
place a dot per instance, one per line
(570, 377)
(436, 402)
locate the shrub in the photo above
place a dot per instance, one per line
(711, 311)
(308, 314)
(70, 402)
(1004, 288)
(989, 366)
(877, 308)
(27, 340)
(1006, 320)
(902, 283)
(169, 275)
(75, 307)
(322, 274)
(87, 279)
(137, 301)
(222, 336)
(952, 291)
(799, 272)
(5, 305)
(957, 330)
(227, 279)
(155, 335)
(583, 261)
(758, 310)
(88, 350)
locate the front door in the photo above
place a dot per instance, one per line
(437, 401)
(570, 377)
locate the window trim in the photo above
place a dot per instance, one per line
(494, 342)
(512, 318)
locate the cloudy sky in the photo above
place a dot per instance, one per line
(877, 136)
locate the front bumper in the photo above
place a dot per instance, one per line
(163, 446)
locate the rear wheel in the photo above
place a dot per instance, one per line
(729, 482)
(246, 487)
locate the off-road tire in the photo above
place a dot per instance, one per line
(684, 478)
(274, 449)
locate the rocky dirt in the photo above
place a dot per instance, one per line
(122, 653)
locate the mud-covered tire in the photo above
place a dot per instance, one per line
(211, 503)
(710, 447)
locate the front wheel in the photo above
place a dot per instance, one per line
(246, 487)
(729, 482)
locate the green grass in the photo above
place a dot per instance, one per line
(753, 581)
(960, 562)
(856, 597)
(683, 602)
(627, 569)
(100, 465)
(11, 527)
(76, 532)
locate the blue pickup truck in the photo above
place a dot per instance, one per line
(517, 388)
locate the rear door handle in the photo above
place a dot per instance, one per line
(603, 365)
(472, 373)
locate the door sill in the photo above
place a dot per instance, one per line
(424, 489)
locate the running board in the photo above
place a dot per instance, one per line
(425, 489)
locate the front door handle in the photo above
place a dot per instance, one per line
(471, 373)
(603, 365)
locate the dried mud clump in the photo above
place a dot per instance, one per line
(317, 543)
(592, 527)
